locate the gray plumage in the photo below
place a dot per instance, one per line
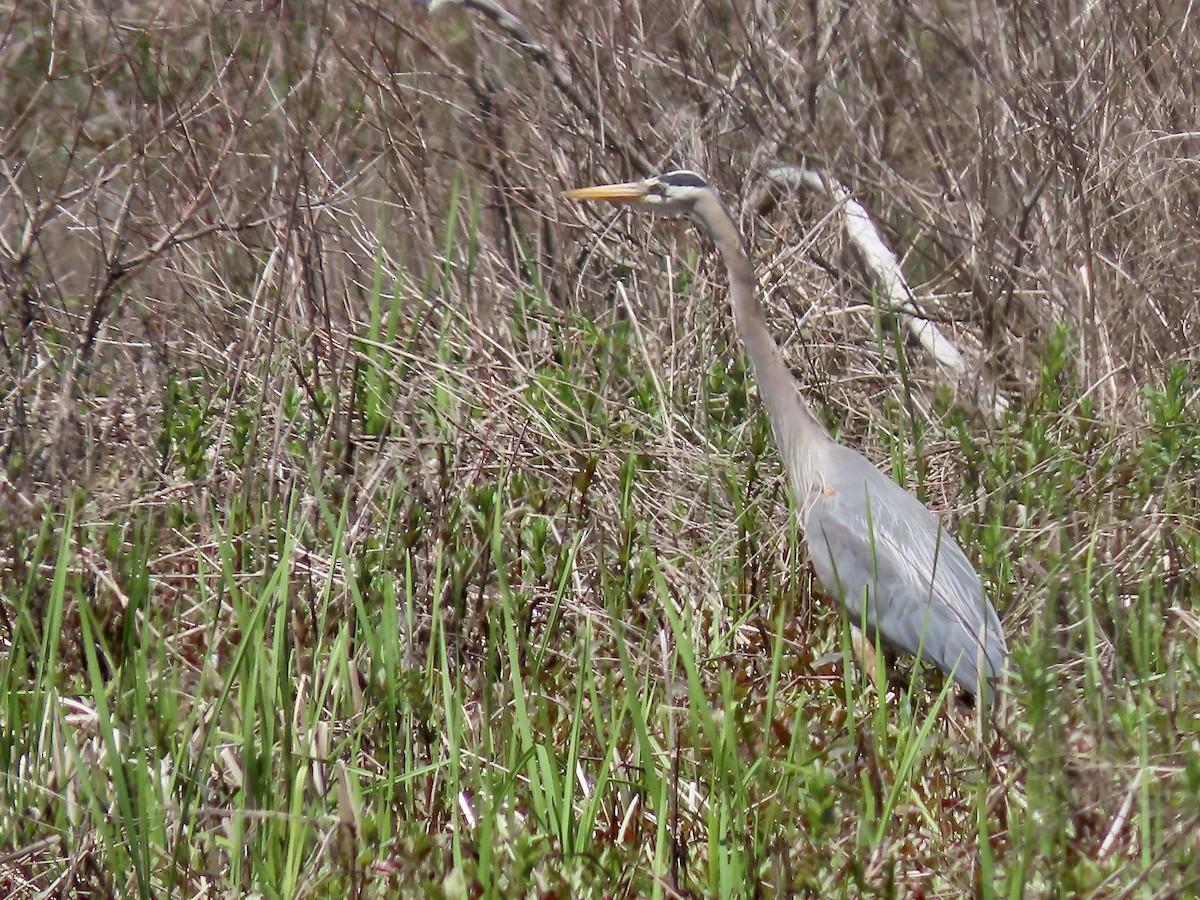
(872, 544)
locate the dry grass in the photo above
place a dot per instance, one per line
(372, 519)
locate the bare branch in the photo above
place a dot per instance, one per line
(880, 263)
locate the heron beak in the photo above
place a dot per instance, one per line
(628, 192)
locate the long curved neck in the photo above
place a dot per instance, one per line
(797, 430)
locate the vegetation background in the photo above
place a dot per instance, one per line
(372, 521)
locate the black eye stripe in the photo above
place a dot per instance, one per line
(683, 178)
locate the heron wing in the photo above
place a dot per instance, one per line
(871, 539)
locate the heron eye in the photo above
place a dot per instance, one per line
(658, 189)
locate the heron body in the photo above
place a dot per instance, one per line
(909, 583)
(900, 575)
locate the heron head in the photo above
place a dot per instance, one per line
(673, 193)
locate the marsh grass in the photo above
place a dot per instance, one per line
(364, 537)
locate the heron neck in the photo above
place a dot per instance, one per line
(781, 394)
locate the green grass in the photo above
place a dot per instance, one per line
(498, 687)
(393, 548)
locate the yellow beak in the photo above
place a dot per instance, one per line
(626, 192)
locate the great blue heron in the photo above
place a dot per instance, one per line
(901, 577)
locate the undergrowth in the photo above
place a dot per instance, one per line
(369, 528)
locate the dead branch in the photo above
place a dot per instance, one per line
(881, 265)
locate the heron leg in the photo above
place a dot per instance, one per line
(864, 653)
